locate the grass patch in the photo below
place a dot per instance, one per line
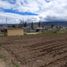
(16, 65)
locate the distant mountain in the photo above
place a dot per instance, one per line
(63, 23)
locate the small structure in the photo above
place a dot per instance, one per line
(15, 32)
(39, 29)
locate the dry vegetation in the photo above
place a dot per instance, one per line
(37, 50)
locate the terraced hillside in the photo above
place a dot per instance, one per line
(37, 50)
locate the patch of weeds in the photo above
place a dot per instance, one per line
(1, 56)
(16, 65)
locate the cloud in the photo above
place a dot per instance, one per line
(15, 18)
(44, 8)
(56, 8)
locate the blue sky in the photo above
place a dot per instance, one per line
(38, 9)
(16, 12)
(13, 7)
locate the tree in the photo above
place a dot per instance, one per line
(39, 24)
(32, 25)
(25, 24)
(52, 26)
(21, 23)
(13, 26)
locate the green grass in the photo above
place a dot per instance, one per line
(16, 65)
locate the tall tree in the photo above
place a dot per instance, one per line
(39, 24)
(25, 24)
(52, 26)
(32, 25)
(21, 23)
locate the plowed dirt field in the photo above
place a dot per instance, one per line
(37, 50)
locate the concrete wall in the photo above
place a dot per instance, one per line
(15, 32)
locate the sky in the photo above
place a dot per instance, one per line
(32, 10)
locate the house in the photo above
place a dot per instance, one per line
(15, 32)
(12, 32)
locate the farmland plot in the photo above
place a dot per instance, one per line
(37, 51)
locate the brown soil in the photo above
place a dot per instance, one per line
(2, 63)
(37, 50)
